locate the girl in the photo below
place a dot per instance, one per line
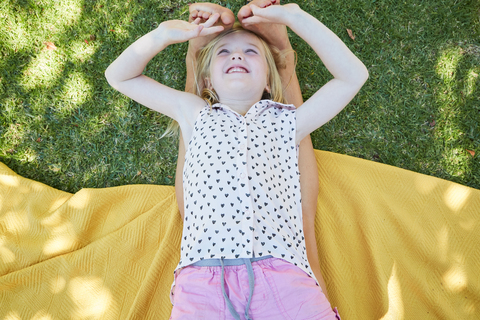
(243, 221)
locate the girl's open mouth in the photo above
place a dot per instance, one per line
(237, 69)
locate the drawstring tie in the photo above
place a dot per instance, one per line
(251, 283)
(234, 262)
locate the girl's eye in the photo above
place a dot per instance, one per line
(251, 50)
(222, 51)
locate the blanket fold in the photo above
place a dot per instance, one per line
(393, 244)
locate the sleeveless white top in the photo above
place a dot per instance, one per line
(242, 186)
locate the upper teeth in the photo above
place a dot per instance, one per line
(236, 69)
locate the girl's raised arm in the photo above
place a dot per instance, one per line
(348, 71)
(125, 73)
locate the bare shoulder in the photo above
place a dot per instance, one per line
(189, 109)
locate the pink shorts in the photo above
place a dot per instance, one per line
(281, 291)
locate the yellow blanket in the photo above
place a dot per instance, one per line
(393, 244)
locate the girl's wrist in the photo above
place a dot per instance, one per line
(295, 15)
(161, 35)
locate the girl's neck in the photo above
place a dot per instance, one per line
(239, 106)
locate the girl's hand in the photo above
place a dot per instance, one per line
(279, 14)
(176, 31)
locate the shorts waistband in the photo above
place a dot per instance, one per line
(226, 262)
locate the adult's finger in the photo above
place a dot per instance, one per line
(196, 21)
(193, 14)
(211, 20)
(227, 18)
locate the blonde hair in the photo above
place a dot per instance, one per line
(275, 60)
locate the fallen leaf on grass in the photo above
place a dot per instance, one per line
(50, 45)
(350, 34)
(472, 153)
(139, 173)
(55, 167)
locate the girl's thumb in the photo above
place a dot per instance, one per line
(255, 9)
(262, 12)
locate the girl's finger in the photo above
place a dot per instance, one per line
(255, 9)
(211, 30)
(255, 20)
(196, 32)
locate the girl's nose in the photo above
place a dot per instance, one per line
(237, 56)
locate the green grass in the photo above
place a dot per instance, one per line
(61, 123)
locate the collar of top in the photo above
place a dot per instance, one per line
(257, 108)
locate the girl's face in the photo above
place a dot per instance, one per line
(239, 68)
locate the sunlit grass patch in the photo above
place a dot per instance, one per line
(43, 70)
(471, 81)
(76, 89)
(456, 161)
(13, 135)
(447, 64)
(15, 34)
